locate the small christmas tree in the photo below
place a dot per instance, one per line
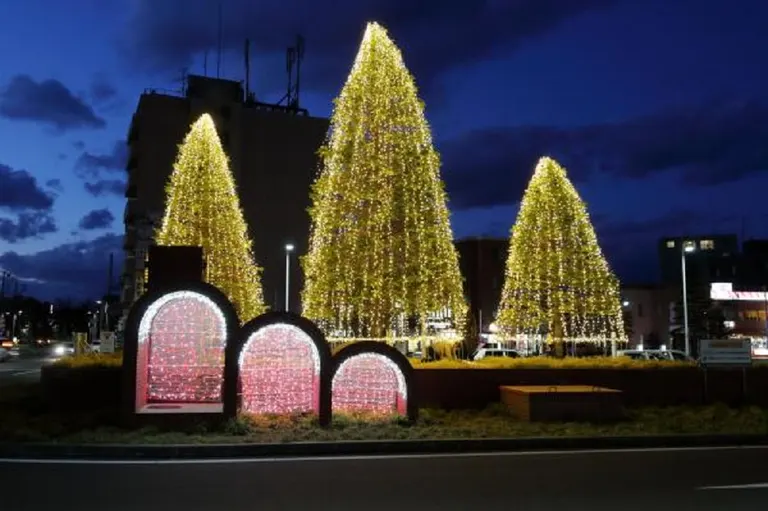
(202, 209)
(558, 284)
(381, 258)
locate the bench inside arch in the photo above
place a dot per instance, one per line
(176, 348)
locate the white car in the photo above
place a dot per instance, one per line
(63, 349)
(496, 352)
(5, 355)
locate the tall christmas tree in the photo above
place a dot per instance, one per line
(558, 284)
(202, 209)
(381, 256)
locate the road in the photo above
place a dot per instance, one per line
(652, 480)
(22, 368)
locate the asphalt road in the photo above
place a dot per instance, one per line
(629, 480)
(22, 368)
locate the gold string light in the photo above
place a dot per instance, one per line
(558, 285)
(202, 209)
(381, 245)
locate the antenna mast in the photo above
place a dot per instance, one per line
(294, 56)
(247, 69)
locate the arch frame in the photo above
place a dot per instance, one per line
(234, 350)
(132, 332)
(380, 348)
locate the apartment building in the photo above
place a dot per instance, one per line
(273, 156)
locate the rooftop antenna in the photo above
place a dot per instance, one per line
(205, 63)
(294, 56)
(218, 58)
(247, 56)
(299, 58)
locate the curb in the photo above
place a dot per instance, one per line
(365, 448)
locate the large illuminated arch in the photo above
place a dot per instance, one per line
(372, 377)
(175, 350)
(282, 368)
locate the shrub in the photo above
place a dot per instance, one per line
(87, 360)
(552, 363)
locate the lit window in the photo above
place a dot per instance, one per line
(707, 244)
(670, 243)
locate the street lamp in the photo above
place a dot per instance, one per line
(686, 247)
(288, 250)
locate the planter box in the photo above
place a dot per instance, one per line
(563, 403)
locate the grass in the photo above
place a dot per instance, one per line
(24, 418)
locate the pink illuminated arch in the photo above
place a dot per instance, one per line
(181, 341)
(279, 368)
(369, 382)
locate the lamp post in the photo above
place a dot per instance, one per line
(685, 248)
(288, 250)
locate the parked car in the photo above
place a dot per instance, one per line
(5, 355)
(656, 355)
(496, 352)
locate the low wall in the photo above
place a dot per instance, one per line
(477, 388)
(97, 387)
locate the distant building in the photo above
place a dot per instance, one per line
(273, 156)
(648, 314)
(713, 258)
(483, 262)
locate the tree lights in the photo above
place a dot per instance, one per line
(558, 284)
(381, 254)
(202, 209)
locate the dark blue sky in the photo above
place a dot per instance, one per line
(658, 108)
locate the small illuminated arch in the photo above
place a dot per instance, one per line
(279, 371)
(283, 364)
(175, 350)
(372, 377)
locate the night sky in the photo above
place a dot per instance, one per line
(657, 108)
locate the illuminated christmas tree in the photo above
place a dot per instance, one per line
(558, 284)
(381, 257)
(202, 209)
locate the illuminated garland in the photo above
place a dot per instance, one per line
(202, 209)
(369, 382)
(181, 342)
(381, 249)
(279, 371)
(558, 284)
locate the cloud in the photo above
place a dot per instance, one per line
(79, 145)
(105, 187)
(97, 219)
(55, 185)
(21, 191)
(32, 224)
(74, 270)
(102, 91)
(48, 102)
(707, 144)
(436, 35)
(90, 165)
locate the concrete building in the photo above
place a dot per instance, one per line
(273, 156)
(483, 262)
(648, 314)
(713, 259)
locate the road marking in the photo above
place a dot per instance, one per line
(22, 373)
(378, 457)
(755, 486)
